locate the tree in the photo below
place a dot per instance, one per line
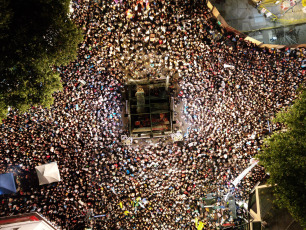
(36, 36)
(284, 157)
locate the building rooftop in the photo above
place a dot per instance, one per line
(270, 22)
(264, 211)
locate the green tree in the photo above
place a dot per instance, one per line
(35, 37)
(284, 158)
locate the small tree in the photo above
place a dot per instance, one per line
(35, 36)
(284, 157)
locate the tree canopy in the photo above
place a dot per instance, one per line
(284, 157)
(35, 37)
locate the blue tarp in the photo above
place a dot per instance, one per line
(7, 183)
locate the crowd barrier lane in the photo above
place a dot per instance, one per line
(225, 25)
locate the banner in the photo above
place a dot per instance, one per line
(246, 171)
(229, 66)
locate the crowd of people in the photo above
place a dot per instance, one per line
(230, 90)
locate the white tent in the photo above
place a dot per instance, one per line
(48, 173)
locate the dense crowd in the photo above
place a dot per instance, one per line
(230, 90)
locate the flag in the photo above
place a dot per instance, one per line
(201, 225)
(196, 221)
(126, 213)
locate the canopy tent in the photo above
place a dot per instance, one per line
(48, 173)
(7, 183)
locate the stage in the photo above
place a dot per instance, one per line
(149, 108)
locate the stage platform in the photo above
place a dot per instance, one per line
(149, 108)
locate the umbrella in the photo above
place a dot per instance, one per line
(7, 183)
(48, 173)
